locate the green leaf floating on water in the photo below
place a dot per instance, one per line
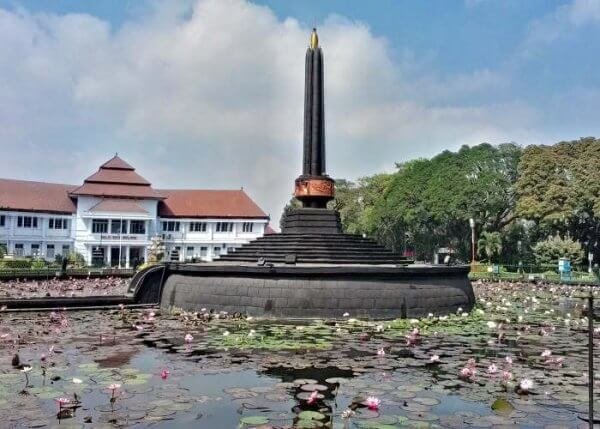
(311, 415)
(254, 420)
(502, 406)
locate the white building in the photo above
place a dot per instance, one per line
(111, 218)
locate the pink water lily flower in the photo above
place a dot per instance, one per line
(526, 385)
(313, 397)
(467, 373)
(492, 369)
(506, 376)
(164, 373)
(188, 338)
(546, 353)
(380, 352)
(62, 402)
(372, 403)
(434, 359)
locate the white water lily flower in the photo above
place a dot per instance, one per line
(464, 314)
(379, 328)
(77, 380)
(430, 315)
(346, 314)
(226, 333)
(413, 321)
(480, 311)
(26, 368)
(526, 384)
(249, 318)
(492, 325)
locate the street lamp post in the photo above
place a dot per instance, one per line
(472, 225)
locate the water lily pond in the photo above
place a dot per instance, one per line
(518, 360)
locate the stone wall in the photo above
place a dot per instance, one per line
(331, 294)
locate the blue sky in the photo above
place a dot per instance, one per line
(208, 93)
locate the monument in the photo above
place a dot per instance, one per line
(310, 269)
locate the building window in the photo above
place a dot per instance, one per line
(197, 226)
(35, 250)
(57, 223)
(99, 226)
(19, 249)
(50, 251)
(170, 226)
(66, 249)
(224, 226)
(118, 226)
(137, 227)
(230, 249)
(27, 222)
(2, 220)
(203, 251)
(247, 226)
(217, 251)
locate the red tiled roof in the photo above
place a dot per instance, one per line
(116, 190)
(118, 205)
(199, 203)
(116, 178)
(36, 196)
(117, 163)
(269, 230)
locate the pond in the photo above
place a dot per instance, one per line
(518, 360)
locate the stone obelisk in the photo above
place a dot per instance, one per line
(314, 188)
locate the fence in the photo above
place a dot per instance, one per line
(531, 272)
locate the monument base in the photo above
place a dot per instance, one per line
(313, 291)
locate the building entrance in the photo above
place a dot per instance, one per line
(98, 256)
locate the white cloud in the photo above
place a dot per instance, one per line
(214, 99)
(560, 23)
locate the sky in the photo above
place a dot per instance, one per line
(209, 93)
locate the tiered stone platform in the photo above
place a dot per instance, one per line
(300, 243)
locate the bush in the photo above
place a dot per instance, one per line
(549, 251)
(16, 264)
(38, 264)
(2, 250)
(76, 260)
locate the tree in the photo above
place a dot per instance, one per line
(428, 202)
(550, 250)
(490, 245)
(559, 189)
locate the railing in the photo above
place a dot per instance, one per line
(531, 272)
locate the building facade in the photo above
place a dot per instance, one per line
(111, 218)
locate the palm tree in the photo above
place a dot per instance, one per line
(490, 245)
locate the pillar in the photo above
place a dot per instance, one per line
(126, 256)
(109, 256)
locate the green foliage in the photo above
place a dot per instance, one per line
(550, 250)
(559, 189)
(16, 264)
(490, 245)
(38, 264)
(76, 260)
(427, 204)
(2, 250)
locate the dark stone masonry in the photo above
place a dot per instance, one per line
(320, 291)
